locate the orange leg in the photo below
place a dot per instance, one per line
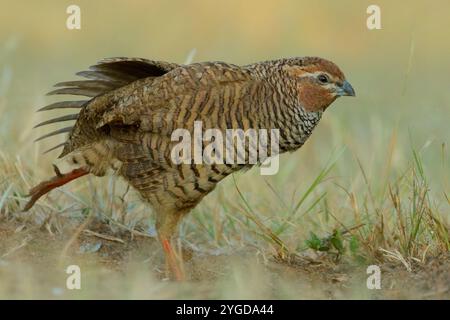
(167, 220)
(172, 260)
(57, 181)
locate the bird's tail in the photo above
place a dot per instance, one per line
(46, 186)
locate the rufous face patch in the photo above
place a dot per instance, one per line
(314, 97)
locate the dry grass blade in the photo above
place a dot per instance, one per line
(24, 242)
(5, 196)
(102, 236)
(395, 255)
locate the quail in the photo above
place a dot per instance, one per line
(133, 106)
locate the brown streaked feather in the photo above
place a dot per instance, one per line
(132, 70)
(87, 84)
(105, 76)
(68, 117)
(114, 73)
(88, 92)
(213, 78)
(147, 68)
(64, 105)
(108, 75)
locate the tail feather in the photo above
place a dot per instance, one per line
(47, 186)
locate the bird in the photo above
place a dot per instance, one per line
(133, 105)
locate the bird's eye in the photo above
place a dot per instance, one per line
(323, 78)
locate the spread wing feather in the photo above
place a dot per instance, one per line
(160, 99)
(106, 76)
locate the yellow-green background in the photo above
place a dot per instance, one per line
(400, 73)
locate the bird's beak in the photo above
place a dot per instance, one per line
(347, 89)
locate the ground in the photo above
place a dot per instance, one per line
(33, 264)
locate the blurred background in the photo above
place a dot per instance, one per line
(400, 74)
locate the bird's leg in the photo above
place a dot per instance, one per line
(172, 260)
(58, 180)
(166, 225)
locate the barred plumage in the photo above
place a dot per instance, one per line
(136, 105)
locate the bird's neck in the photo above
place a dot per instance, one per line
(297, 127)
(282, 109)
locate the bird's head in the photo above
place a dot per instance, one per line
(317, 82)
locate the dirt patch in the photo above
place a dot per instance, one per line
(33, 263)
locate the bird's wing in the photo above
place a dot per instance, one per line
(143, 120)
(106, 76)
(110, 74)
(203, 91)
